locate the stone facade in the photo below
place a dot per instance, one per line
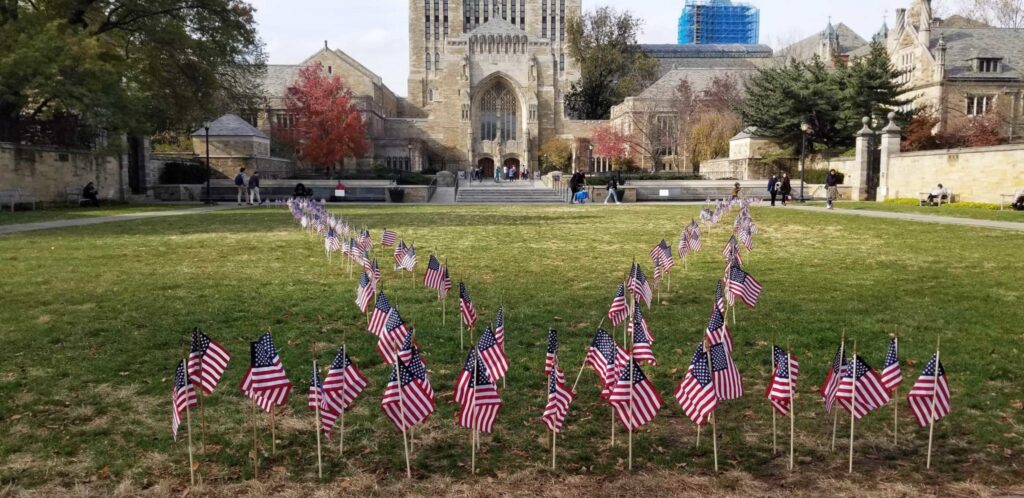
(48, 172)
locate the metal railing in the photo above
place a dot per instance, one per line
(431, 189)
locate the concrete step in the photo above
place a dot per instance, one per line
(508, 196)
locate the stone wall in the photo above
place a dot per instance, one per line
(47, 172)
(977, 174)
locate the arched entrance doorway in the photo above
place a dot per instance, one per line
(486, 166)
(510, 163)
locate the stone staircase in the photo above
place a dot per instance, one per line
(508, 195)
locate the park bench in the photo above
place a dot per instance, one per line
(949, 197)
(1013, 197)
(14, 196)
(73, 195)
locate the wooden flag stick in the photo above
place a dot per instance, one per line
(895, 402)
(583, 366)
(714, 419)
(554, 439)
(255, 443)
(931, 417)
(630, 419)
(835, 416)
(273, 433)
(613, 426)
(462, 345)
(405, 441)
(472, 406)
(792, 404)
(191, 466)
(202, 417)
(319, 458)
(775, 450)
(853, 402)
(698, 435)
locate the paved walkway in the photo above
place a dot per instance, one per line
(77, 222)
(924, 218)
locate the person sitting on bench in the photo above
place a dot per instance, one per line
(1018, 205)
(938, 194)
(90, 194)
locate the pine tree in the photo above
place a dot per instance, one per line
(870, 86)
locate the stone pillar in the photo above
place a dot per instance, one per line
(890, 147)
(857, 177)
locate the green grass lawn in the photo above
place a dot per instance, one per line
(94, 319)
(952, 210)
(45, 213)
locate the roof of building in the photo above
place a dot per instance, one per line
(230, 125)
(699, 78)
(807, 48)
(279, 77)
(963, 45)
(497, 26)
(706, 51)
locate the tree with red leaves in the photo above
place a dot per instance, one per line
(611, 143)
(327, 126)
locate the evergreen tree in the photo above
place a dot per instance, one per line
(870, 86)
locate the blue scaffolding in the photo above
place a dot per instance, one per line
(718, 21)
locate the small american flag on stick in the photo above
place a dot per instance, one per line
(932, 384)
(606, 358)
(183, 397)
(482, 404)
(466, 308)
(694, 236)
(434, 276)
(783, 382)
(499, 327)
(207, 361)
(641, 348)
(618, 310)
(364, 292)
(380, 315)
(739, 283)
(835, 374)
(870, 393)
(696, 392)
(559, 398)
(492, 354)
(891, 375)
(405, 401)
(634, 397)
(387, 238)
(639, 286)
(265, 381)
(727, 378)
(344, 382)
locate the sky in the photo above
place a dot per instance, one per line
(374, 32)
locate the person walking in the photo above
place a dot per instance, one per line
(831, 188)
(504, 172)
(785, 188)
(240, 183)
(773, 187)
(254, 188)
(613, 191)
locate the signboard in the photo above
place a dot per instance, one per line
(663, 192)
(339, 192)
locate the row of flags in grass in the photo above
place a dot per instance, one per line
(711, 378)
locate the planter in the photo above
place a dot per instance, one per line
(396, 194)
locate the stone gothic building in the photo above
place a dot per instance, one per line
(486, 80)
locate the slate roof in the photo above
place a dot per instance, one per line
(699, 78)
(965, 44)
(497, 26)
(279, 77)
(807, 48)
(230, 125)
(705, 51)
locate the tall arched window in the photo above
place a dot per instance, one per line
(498, 114)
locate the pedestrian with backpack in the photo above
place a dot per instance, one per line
(243, 192)
(254, 188)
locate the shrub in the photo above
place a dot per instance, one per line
(183, 173)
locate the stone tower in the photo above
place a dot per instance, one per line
(433, 22)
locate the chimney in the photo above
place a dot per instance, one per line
(940, 66)
(925, 30)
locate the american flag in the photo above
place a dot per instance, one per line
(657, 254)
(492, 354)
(409, 259)
(446, 286)
(183, 397)
(410, 356)
(482, 401)
(784, 379)
(696, 392)
(391, 336)
(740, 283)
(694, 236)
(684, 243)
(265, 381)
(634, 397)
(639, 321)
(559, 398)
(380, 315)
(318, 224)
(720, 298)
(365, 241)
(344, 382)
(746, 236)
(731, 252)
(304, 221)
(928, 386)
(641, 341)
(728, 382)
(434, 277)
(399, 254)
(387, 238)
(666, 260)
(499, 327)
(717, 330)
(551, 358)
(375, 273)
(329, 412)
(461, 391)
(606, 358)
(347, 246)
(870, 393)
(891, 375)
(406, 402)
(331, 243)
(364, 292)
(638, 284)
(466, 307)
(207, 361)
(367, 260)
(833, 377)
(618, 310)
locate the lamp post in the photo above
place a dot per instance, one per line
(803, 148)
(206, 127)
(590, 156)
(409, 146)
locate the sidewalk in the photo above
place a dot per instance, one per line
(44, 225)
(923, 218)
